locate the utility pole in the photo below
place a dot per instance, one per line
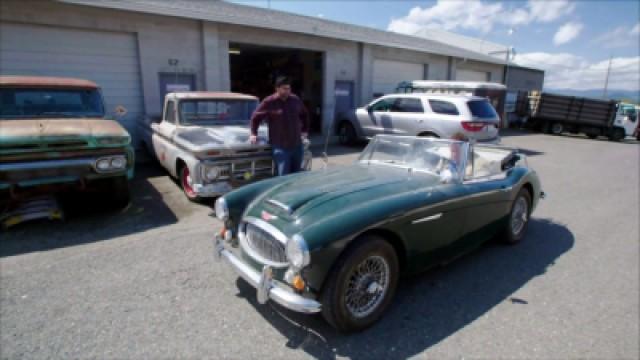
(606, 79)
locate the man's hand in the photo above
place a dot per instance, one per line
(253, 139)
(305, 135)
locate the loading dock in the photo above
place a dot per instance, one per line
(254, 69)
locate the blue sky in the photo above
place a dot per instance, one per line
(571, 40)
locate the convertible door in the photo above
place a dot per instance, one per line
(431, 230)
(488, 204)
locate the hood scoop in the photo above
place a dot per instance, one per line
(289, 202)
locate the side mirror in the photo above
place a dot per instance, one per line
(633, 117)
(368, 108)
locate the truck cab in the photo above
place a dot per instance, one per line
(55, 136)
(627, 118)
(202, 139)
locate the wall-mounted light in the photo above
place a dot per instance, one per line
(233, 51)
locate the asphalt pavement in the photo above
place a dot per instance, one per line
(143, 282)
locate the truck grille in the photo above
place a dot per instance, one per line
(264, 245)
(238, 169)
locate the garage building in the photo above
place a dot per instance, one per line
(137, 51)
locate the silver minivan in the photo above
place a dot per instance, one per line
(441, 116)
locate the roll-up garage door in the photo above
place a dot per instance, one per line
(471, 75)
(387, 74)
(110, 59)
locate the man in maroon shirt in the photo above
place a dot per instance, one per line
(288, 122)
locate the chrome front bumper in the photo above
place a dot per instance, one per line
(267, 288)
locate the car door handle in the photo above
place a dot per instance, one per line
(428, 218)
(505, 188)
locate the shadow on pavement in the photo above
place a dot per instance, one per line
(88, 218)
(430, 307)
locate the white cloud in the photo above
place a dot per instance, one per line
(568, 71)
(620, 37)
(479, 15)
(547, 11)
(567, 32)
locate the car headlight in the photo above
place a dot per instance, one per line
(103, 164)
(297, 252)
(118, 163)
(222, 211)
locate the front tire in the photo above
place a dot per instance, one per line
(361, 284)
(120, 192)
(186, 183)
(518, 218)
(346, 133)
(617, 134)
(557, 128)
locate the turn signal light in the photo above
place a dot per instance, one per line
(298, 283)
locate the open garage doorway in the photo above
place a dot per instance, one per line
(254, 69)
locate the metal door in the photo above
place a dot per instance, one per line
(343, 98)
(175, 82)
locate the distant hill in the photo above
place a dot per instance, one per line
(612, 94)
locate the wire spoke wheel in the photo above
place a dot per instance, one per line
(519, 216)
(366, 286)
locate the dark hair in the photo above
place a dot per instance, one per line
(282, 80)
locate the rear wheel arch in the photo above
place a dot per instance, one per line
(429, 134)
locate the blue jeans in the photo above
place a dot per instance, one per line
(288, 160)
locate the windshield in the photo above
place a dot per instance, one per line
(439, 157)
(29, 103)
(628, 110)
(216, 112)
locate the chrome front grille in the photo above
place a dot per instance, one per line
(246, 169)
(263, 246)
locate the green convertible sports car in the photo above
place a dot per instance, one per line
(337, 240)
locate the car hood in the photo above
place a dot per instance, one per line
(318, 192)
(201, 138)
(75, 127)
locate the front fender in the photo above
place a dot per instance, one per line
(327, 238)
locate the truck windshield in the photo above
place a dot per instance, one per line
(43, 102)
(216, 112)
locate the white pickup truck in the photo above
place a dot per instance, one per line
(202, 140)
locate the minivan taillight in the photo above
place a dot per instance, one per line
(473, 126)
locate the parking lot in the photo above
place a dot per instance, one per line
(143, 282)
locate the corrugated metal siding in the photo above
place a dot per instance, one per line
(387, 74)
(223, 12)
(472, 75)
(110, 59)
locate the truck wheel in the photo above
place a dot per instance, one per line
(617, 134)
(346, 133)
(557, 128)
(592, 136)
(361, 284)
(187, 184)
(119, 194)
